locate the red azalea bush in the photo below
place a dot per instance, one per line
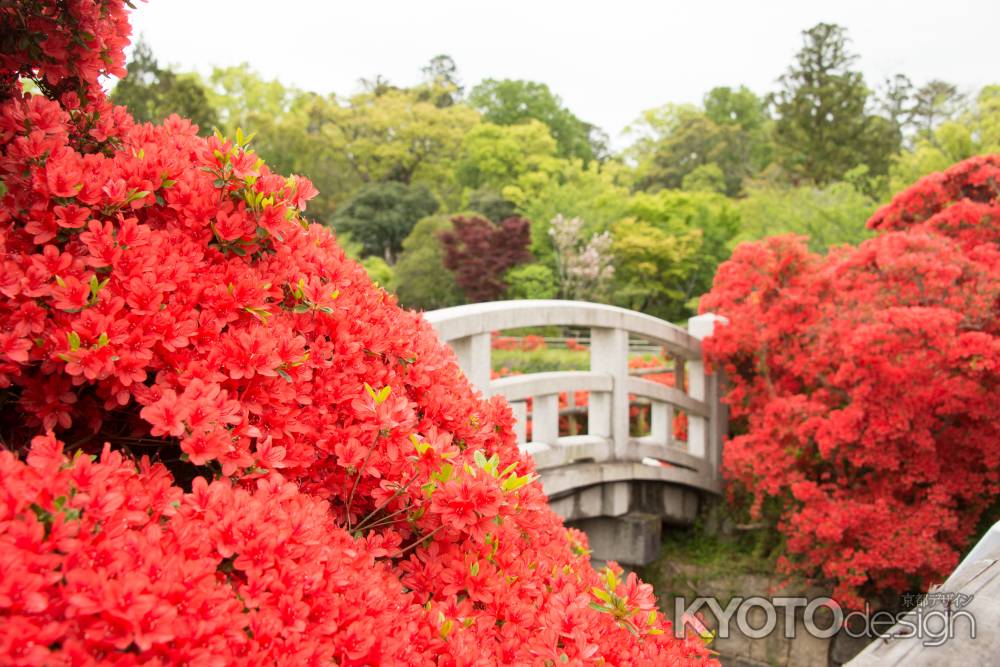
(253, 455)
(866, 384)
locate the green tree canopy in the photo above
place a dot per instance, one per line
(514, 160)
(974, 132)
(510, 101)
(422, 281)
(653, 268)
(706, 221)
(381, 215)
(532, 281)
(152, 92)
(824, 128)
(674, 140)
(597, 192)
(397, 136)
(829, 216)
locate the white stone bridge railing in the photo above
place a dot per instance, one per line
(606, 472)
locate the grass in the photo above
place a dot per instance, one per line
(541, 361)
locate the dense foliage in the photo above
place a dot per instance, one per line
(253, 455)
(480, 253)
(865, 384)
(815, 156)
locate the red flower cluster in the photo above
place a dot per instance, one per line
(865, 384)
(62, 46)
(266, 460)
(527, 343)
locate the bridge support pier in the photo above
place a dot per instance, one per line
(633, 539)
(624, 520)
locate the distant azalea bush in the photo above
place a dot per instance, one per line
(221, 443)
(865, 384)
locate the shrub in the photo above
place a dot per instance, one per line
(865, 384)
(254, 455)
(479, 253)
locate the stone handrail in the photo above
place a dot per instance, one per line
(607, 452)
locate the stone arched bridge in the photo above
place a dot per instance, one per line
(620, 487)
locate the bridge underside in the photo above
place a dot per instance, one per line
(624, 519)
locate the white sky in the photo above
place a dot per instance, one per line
(607, 60)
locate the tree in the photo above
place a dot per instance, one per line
(244, 99)
(509, 102)
(491, 203)
(152, 92)
(934, 103)
(400, 136)
(531, 281)
(740, 106)
(743, 109)
(512, 160)
(653, 267)
(479, 253)
(976, 131)
(917, 112)
(704, 225)
(705, 178)
(422, 281)
(823, 127)
(441, 82)
(674, 141)
(597, 193)
(381, 215)
(828, 216)
(584, 270)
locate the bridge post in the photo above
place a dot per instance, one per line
(705, 436)
(473, 354)
(608, 413)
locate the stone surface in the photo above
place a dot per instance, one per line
(633, 538)
(808, 651)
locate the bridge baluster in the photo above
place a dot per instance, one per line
(608, 412)
(661, 428)
(545, 419)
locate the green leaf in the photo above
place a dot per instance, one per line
(73, 338)
(284, 374)
(103, 340)
(474, 568)
(480, 458)
(601, 594)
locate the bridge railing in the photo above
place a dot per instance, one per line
(606, 452)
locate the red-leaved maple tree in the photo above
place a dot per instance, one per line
(221, 443)
(866, 385)
(479, 253)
